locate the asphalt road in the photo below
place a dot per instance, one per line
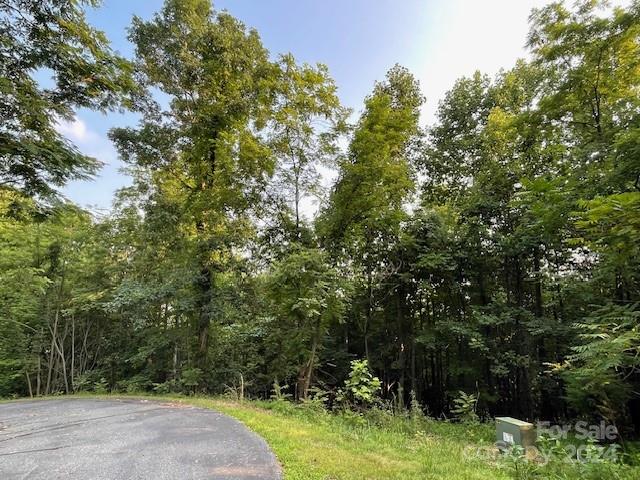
(125, 440)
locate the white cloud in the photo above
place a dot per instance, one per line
(76, 130)
(95, 194)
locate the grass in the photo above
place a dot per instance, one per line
(312, 444)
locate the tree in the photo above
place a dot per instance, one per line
(306, 121)
(205, 152)
(377, 176)
(52, 36)
(366, 207)
(592, 62)
(53, 282)
(308, 296)
(462, 114)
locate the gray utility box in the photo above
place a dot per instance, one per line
(511, 431)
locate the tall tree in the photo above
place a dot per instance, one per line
(592, 58)
(307, 119)
(367, 205)
(205, 149)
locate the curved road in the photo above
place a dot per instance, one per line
(125, 440)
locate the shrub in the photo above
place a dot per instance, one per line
(465, 407)
(191, 378)
(361, 386)
(101, 386)
(170, 386)
(278, 393)
(317, 400)
(135, 384)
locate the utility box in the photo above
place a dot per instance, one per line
(511, 431)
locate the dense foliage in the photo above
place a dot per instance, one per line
(489, 263)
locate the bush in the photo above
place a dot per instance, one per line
(101, 386)
(465, 407)
(353, 419)
(190, 378)
(136, 384)
(361, 386)
(170, 386)
(317, 400)
(278, 392)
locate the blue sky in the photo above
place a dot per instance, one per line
(359, 40)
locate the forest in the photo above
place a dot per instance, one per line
(492, 256)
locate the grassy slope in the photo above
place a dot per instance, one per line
(326, 447)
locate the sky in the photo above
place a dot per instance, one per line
(359, 40)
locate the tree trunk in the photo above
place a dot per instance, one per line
(174, 366)
(369, 315)
(306, 373)
(29, 384)
(38, 379)
(538, 283)
(402, 347)
(51, 353)
(204, 288)
(60, 351)
(297, 201)
(73, 351)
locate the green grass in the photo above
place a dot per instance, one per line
(312, 444)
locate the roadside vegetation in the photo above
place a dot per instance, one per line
(381, 444)
(314, 444)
